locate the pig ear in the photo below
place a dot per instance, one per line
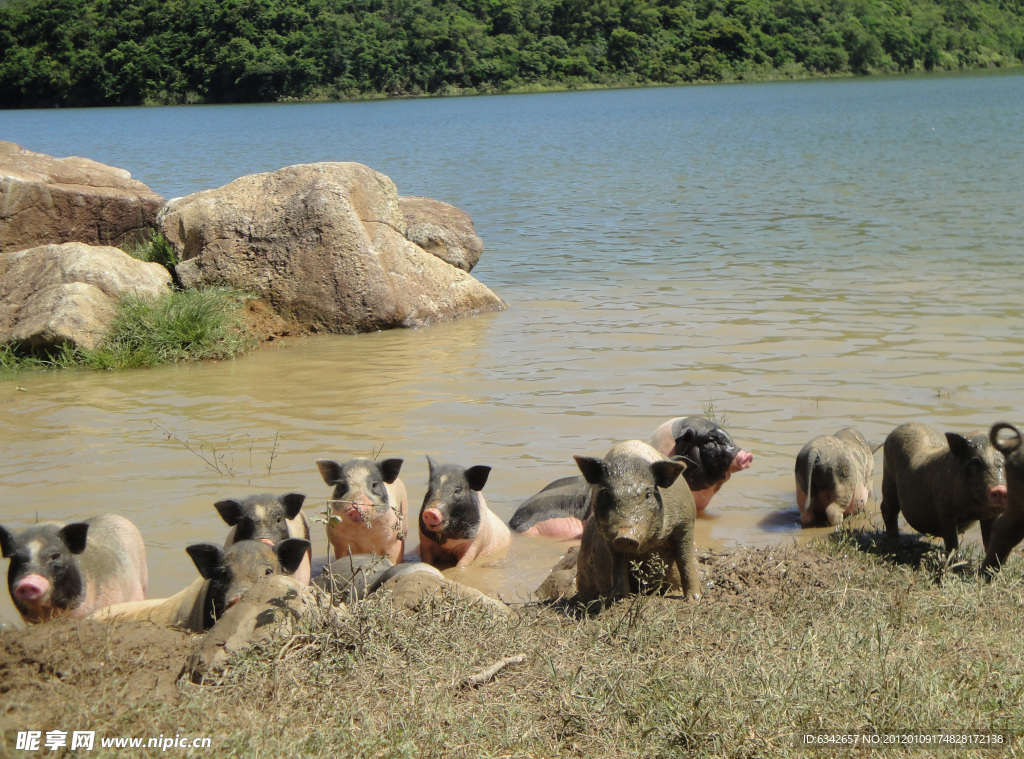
(593, 469)
(476, 476)
(686, 436)
(230, 510)
(389, 469)
(292, 503)
(667, 472)
(73, 536)
(959, 445)
(7, 548)
(208, 558)
(290, 553)
(431, 466)
(329, 470)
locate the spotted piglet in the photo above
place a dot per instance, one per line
(368, 509)
(74, 569)
(456, 526)
(268, 518)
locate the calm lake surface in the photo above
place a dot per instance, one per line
(793, 257)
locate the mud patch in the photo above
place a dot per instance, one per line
(48, 671)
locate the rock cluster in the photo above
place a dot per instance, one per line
(328, 247)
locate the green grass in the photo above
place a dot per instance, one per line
(157, 249)
(184, 325)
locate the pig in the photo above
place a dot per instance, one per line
(560, 509)
(641, 508)
(269, 518)
(1008, 529)
(226, 573)
(941, 484)
(834, 476)
(455, 523)
(710, 454)
(369, 508)
(74, 569)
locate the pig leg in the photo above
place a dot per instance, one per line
(1007, 532)
(688, 573)
(890, 506)
(951, 537)
(620, 575)
(834, 514)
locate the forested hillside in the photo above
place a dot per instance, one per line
(126, 52)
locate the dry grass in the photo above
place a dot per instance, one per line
(829, 638)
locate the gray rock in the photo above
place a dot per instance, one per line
(54, 200)
(324, 244)
(54, 295)
(442, 230)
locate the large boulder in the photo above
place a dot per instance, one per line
(443, 230)
(54, 295)
(53, 200)
(324, 244)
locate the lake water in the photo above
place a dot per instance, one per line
(793, 257)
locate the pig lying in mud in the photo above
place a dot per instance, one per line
(941, 483)
(368, 509)
(76, 568)
(225, 575)
(834, 476)
(268, 518)
(1008, 529)
(642, 509)
(711, 456)
(456, 526)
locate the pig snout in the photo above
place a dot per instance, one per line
(997, 495)
(31, 588)
(741, 461)
(625, 542)
(433, 518)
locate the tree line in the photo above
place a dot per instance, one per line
(131, 52)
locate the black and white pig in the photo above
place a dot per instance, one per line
(74, 569)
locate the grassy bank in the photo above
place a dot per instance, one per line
(837, 638)
(184, 325)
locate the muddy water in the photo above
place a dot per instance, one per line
(789, 258)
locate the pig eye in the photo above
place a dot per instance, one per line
(458, 489)
(269, 571)
(55, 556)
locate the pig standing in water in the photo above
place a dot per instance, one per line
(942, 484)
(710, 454)
(641, 509)
(834, 476)
(369, 508)
(225, 575)
(269, 518)
(74, 569)
(1008, 529)
(455, 523)
(561, 508)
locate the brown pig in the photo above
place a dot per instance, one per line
(640, 509)
(834, 476)
(225, 575)
(368, 509)
(270, 518)
(76, 568)
(1008, 529)
(456, 526)
(941, 483)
